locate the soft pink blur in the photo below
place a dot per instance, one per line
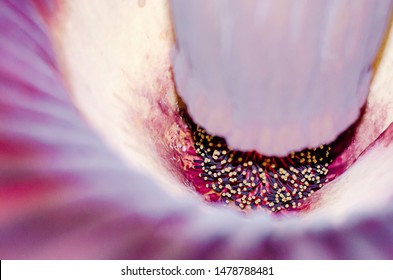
(66, 193)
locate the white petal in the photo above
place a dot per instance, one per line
(276, 76)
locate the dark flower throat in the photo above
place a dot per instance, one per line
(250, 180)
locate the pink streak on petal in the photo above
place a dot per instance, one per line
(58, 180)
(276, 76)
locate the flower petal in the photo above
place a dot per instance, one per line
(65, 194)
(287, 75)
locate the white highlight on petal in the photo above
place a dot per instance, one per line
(303, 64)
(114, 61)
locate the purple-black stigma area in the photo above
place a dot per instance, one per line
(205, 164)
(251, 180)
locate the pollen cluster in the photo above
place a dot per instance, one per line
(250, 180)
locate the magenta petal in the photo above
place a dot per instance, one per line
(51, 160)
(65, 194)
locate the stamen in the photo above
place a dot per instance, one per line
(250, 180)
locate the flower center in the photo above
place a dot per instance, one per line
(250, 180)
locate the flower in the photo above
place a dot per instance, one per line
(87, 113)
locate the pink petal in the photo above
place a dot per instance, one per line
(65, 194)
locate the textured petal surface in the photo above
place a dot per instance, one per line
(65, 193)
(276, 76)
